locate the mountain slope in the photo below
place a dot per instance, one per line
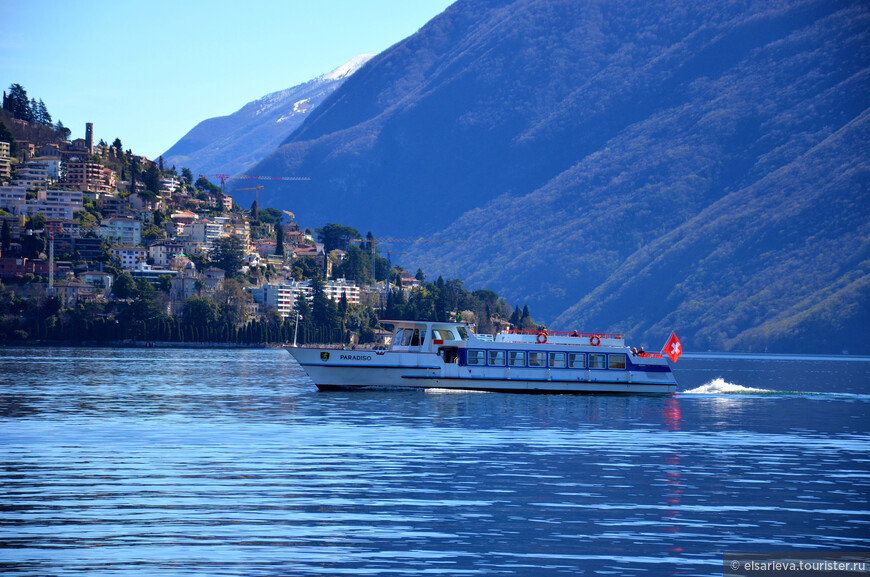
(619, 165)
(230, 144)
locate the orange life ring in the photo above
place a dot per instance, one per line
(594, 340)
(542, 338)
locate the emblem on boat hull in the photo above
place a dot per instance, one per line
(324, 356)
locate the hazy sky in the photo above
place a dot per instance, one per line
(147, 72)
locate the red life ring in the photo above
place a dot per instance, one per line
(542, 338)
(594, 340)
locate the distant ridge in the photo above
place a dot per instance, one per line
(636, 166)
(230, 144)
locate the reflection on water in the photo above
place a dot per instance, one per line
(144, 462)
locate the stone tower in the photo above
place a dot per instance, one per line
(89, 137)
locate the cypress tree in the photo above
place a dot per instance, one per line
(6, 236)
(279, 246)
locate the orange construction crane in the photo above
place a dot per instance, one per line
(257, 188)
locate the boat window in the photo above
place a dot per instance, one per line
(516, 358)
(557, 360)
(443, 334)
(577, 360)
(415, 340)
(536, 359)
(496, 358)
(597, 361)
(616, 361)
(406, 339)
(397, 340)
(463, 334)
(476, 357)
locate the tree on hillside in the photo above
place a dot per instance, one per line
(117, 145)
(151, 179)
(134, 170)
(125, 286)
(228, 254)
(270, 215)
(17, 103)
(205, 185)
(324, 313)
(356, 266)
(279, 244)
(233, 301)
(66, 132)
(336, 236)
(5, 237)
(41, 115)
(201, 311)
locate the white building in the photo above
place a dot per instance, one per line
(335, 288)
(35, 174)
(127, 231)
(162, 252)
(74, 197)
(203, 231)
(60, 204)
(169, 184)
(282, 296)
(131, 257)
(12, 196)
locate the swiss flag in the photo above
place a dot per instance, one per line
(673, 349)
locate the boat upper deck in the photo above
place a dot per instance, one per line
(561, 338)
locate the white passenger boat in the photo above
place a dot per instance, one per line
(448, 355)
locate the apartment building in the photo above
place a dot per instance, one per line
(127, 231)
(168, 185)
(89, 176)
(337, 287)
(204, 231)
(37, 174)
(131, 257)
(282, 296)
(5, 162)
(54, 204)
(12, 196)
(162, 252)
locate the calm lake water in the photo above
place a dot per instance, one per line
(230, 462)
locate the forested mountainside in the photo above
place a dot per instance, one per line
(230, 144)
(626, 165)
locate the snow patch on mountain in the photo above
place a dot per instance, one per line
(346, 69)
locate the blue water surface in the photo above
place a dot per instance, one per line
(230, 462)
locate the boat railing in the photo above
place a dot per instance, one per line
(649, 355)
(339, 346)
(591, 337)
(566, 334)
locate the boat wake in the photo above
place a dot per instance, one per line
(720, 386)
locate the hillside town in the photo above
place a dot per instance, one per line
(88, 229)
(84, 210)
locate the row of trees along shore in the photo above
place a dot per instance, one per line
(139, 315)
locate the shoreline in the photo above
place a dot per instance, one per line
(137, 345)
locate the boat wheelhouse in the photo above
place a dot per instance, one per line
(449, 355)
